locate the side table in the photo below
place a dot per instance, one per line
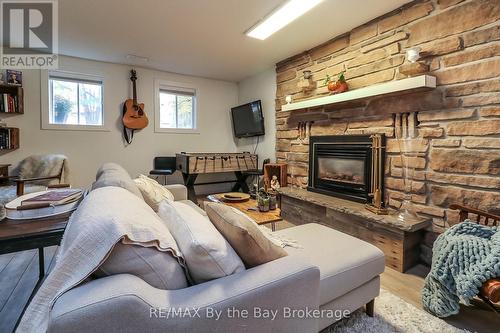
(22, 235)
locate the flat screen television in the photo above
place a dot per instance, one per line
(248, 120)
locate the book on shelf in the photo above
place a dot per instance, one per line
(9, 138)
(14, 77)
(54, 197)
(9, 103)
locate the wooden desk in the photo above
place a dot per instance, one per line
(250, 209)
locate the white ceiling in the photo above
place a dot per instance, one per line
(201, 37)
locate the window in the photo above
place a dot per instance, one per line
(75, 101)
(176, 109)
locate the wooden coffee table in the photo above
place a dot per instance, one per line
(22, 235)
(249, 207)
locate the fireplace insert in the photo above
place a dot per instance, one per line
(342, 166)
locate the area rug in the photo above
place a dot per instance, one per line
(392, 314)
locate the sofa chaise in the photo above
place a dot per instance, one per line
(332, 273)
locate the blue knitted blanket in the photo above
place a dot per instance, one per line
(463, 258)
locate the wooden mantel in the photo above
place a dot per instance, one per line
(405, 85)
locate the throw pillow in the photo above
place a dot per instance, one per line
(244, 235)
(112, 215)
(112, 174)
(208, 255)
(159, 269)
(152, 191)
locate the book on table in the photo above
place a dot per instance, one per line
(44, 205)
(54, 198)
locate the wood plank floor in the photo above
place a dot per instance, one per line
(477, 318)
(19, 273)
(18, 277)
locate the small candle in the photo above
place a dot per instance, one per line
(413, 54)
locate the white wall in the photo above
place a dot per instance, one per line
(261, 86)
(87, 150)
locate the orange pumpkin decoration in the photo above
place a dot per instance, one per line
(338, 86)
(332, 86)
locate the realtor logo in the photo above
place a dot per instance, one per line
(29, 34)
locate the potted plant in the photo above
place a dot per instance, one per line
(263, 200)
(338, 86)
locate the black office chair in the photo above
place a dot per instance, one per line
(163, 166)
(257, 172)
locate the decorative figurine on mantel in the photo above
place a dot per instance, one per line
(306, 83)
(339, 86)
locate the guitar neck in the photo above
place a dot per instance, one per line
(134, 93)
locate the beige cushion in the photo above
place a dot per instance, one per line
(159, 269)
(208, 255)
(152, 191)
(244, 235)
(194, 206)
(112, 174)
(345, 262)
(179, 191)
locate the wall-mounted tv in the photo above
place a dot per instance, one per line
(248, 120)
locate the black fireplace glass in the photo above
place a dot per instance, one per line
(341, 166)
(344, 170)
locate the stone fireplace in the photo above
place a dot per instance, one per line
(456, 153)
(456, 150)
(340, 165)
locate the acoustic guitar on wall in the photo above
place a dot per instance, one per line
(134, 117)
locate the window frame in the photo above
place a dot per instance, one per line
(162, 85)
(46, 100)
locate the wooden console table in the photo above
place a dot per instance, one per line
(250, 209)
(400, 242)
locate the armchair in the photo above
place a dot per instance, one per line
(35, 173)
(490, 290)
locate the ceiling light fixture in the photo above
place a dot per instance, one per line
(280, 17)
(137, 58)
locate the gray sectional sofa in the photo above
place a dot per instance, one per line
(333, 273)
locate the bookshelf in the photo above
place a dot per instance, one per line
(11, 99)
(11, 103)
(9, 139)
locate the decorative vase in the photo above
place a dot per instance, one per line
(263, 204)
(405, 214)
(273, 202)
(263, 201)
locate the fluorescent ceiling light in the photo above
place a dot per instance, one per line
(281, 17)
(138, 58)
